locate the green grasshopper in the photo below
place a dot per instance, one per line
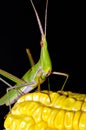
(36, 75)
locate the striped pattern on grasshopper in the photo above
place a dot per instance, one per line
(34, 111)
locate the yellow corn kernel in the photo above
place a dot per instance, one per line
(35, 111)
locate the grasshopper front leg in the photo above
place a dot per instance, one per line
(63, 74)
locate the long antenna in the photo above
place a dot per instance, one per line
(38, 19)
(46, 17)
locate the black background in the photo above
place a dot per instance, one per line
(65, 35)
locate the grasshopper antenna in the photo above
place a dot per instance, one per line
(46, 17)
(38, 19)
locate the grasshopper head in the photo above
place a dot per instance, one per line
(45, 58)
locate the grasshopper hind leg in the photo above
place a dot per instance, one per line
(9, 88)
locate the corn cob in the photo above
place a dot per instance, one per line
(35, 111)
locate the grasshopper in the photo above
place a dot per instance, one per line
(36, 75)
